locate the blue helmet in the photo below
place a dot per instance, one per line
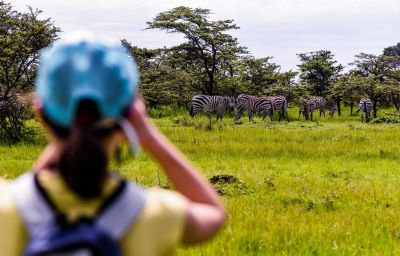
(85, 69)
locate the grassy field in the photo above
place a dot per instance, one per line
(329, 187)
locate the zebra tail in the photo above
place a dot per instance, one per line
(191, 112)
(365, 106)
(285, 113)
(284, 106)
(272, 110)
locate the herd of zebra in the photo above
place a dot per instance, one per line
(266, 106)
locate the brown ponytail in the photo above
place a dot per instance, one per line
(83, 163)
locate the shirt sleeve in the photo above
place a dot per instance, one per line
(159, 228)
(13, 236)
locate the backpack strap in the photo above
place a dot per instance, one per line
(115, 217)
(35, 212)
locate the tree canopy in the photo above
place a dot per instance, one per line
(319, 70)
(208, 39)
(22, 35)
(392, 50)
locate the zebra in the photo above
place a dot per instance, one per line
(366, 106)
(303, 102)
(307, 107)
(209, 104)
(280, 104)
(313, 102)
(253, 104)
(323, 103)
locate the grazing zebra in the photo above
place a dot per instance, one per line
(280, 104)
(316, 102)
(253, 104)
(210, 104)
(307, 107)
(322, 103)
(303, 102)
(366, 106)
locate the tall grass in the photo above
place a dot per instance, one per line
(329, 187)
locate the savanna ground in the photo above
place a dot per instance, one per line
(328, 187)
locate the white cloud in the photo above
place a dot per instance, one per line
(279, 28)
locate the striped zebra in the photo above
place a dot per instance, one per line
(316, 102)
(307, 107)
(366, 106)
(253, 104)
(210, 104)
(280, 105)
(302, 107)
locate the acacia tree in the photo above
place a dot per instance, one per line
(209, 39)
(379, 66)
(392, 50)
(319, 71)
(357, 87)
(286, 86)
(168, 75)
(21, 37)
(350, 88)
(385, 69)
(257, 74)
(394, 74)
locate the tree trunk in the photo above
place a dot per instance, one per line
(338, 106)
(396, 104)
(394, 100)
(351, 108)
(375, 108)
(212, 72)
(211, 84)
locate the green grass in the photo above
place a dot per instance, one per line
(329, 187)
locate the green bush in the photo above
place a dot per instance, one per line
(13, 116)
(393, 118)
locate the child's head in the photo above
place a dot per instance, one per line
(84, 86)
(82, 68)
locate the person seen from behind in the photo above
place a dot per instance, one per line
(70, 203)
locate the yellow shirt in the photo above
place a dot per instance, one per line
(157, 231)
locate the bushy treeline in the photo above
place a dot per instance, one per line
(210, 61)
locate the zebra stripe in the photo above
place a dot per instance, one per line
(366, 106)
(210, 104)
(316, 102)
(322, 103)
(253, 104)
(280, 104)
(307, 107)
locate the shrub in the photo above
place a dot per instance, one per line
(387, 118)
(13, 115)
(229, 185)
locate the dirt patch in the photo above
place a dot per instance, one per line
(229, 185)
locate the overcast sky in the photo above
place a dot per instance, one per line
(279, 28)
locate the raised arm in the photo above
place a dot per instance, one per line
(205, 214)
